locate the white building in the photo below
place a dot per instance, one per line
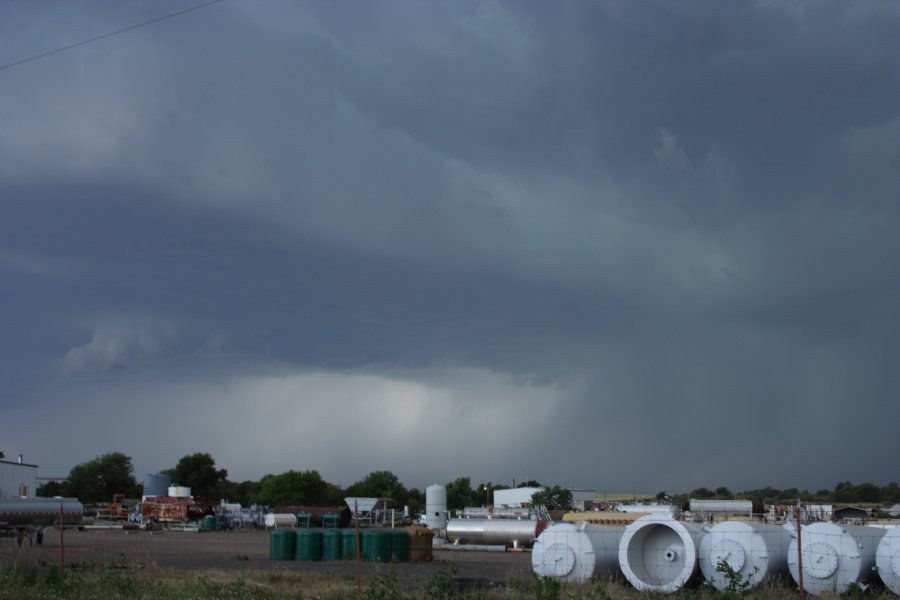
(17, 479)
(515, 497)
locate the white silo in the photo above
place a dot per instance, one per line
(659, 554)
(577, 553)
(753, 551)
(436, 513)
(834, 556)
(887, 559)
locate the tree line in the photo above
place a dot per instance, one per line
(99, 479)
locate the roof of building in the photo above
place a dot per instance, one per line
(15, 462)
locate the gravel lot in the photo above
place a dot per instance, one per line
(242, 550)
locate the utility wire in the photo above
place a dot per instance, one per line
(108, 35)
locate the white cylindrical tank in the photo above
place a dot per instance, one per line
(834, 556)
(280, 520)
(732, 507)
(179, 491)
(505, 532)
(436, 513)
(752, 550)
(659, 554)
(577, 553)
(887, 559)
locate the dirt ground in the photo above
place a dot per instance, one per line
(241, 550)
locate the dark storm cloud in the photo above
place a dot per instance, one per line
(670, 227)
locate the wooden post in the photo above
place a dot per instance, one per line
(799, 553)
(62, 527)
(358, 551)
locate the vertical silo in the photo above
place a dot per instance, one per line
(436, 513)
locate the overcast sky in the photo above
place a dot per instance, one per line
(628, 246)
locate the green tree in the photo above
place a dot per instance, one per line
(198, 472)
(845, 492)
(702, 493)
(868, 492)
(304, 488)
(50, 489)
(460, 494)
(553, 498)
(380, 484)
(416, 501)
(97, 480)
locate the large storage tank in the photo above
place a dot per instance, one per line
(156, 484)
(752, 550)
(887, 559)
(436, 513)
(659, 554)
(834, 556)
(577, 552)
(504, 532)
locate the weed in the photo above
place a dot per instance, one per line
(441, 586)
(384, 586)
(545, 588)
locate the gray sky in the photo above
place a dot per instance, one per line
(615, 245)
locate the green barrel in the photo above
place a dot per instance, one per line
(309, 545)
(332, 540)
(400, 545)
(348, 544)
(331, 520)
(208, 523)
(282, 544)
(376, 545)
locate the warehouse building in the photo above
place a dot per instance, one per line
(17, 479)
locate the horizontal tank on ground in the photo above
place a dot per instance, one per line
(482, 512)
(834, 556)
(280, 520)
(648, 507)
(18, 512)
(887, 559)
(502, 532)
(659, 554)
(577, 553)
(730, 507)
(752, 550)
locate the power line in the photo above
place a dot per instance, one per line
(108, 35)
